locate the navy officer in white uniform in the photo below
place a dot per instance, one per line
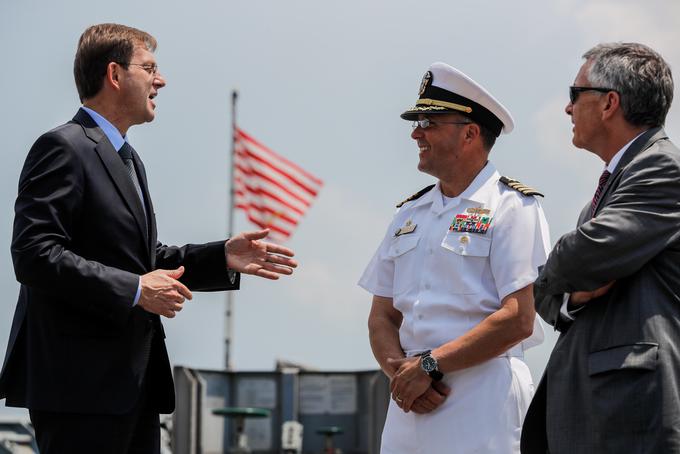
(453, 307)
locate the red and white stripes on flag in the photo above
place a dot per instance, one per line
(274, 192)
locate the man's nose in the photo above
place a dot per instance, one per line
(159, 80)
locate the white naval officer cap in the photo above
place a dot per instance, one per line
(444, 89)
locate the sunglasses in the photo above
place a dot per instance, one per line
(575, 91)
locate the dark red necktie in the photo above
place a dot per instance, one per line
(600, 186)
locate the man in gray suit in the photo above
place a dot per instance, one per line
(612, 286)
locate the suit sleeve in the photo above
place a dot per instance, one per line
(640, 219)
(47, 208)
(205, 266)
(548, 308)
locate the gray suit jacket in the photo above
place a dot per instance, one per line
(612, 383)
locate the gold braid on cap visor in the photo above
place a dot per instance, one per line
(449, 105)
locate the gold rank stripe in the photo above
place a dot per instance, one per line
(517, 186)
(450, 105)
(415, 196)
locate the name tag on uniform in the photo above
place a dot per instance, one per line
(409, 227)
(474, 220)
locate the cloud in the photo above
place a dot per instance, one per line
(327, 280)
(553, 137)
(653, 23)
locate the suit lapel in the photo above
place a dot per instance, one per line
(646, 140)
(115, 168)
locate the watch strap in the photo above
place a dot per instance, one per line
(435, 374)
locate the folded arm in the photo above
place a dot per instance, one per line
(640, 219)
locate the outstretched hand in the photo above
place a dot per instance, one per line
(247, 254)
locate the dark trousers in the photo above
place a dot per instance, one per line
(534, 438)
(136, 432)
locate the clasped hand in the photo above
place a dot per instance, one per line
(412, 389)
(162, 293)
(582, 297)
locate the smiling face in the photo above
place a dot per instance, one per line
(138, 87)
(440, 145)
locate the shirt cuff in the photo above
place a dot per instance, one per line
(231, 274)
(565, 313)
(139, 292)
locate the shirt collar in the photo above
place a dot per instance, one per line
(614, 161)
(109, 130)
(475, 192)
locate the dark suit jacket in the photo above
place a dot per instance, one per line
(79, 245)
(612, 384)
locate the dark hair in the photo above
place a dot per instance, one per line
(640, 75)
(100, 45)
(488, 137)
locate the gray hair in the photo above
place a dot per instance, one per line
(640, 75)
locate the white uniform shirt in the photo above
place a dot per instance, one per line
(445, 281)
(445, 278)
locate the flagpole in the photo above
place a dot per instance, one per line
(229, 314)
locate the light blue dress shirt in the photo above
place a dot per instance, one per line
(117, 140)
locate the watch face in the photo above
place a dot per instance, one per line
(429, 364)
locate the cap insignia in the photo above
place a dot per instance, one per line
(427, 80)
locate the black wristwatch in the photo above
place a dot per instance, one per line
(430, 366)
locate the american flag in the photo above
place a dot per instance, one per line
(274, 192)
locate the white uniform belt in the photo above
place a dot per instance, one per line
(515, 352)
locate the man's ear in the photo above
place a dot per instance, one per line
(611, 105)
(113, 73)
(472, 131)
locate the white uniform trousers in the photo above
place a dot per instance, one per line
(483, 414)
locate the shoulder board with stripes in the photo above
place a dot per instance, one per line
(415, 196)
(519, 187)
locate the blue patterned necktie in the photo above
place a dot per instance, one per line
(598, 192)
(125, 154)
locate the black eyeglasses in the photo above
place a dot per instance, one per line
(575, 91)
(151, 68)
(427, 123)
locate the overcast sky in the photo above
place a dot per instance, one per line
(323, 84)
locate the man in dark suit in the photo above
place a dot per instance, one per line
(612, 286)
(86, 353)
